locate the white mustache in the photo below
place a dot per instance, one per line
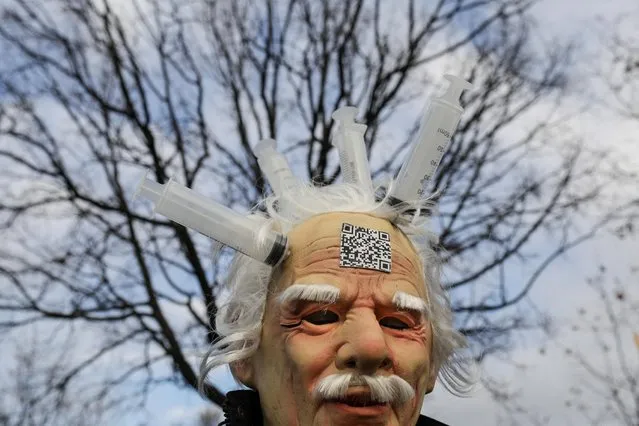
(383, 389)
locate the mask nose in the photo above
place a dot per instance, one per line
(364, 349)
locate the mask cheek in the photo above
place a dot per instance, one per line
(309, 357)
(289, 339)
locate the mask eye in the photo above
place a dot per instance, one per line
(322, 317)
(394, 323)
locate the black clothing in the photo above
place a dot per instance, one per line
(242, 408)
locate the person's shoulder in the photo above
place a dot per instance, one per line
(427, 421)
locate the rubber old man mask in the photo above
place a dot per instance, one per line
(343, 344)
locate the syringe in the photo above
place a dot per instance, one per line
(436, 130)
(349, 141)
(274, 166)
(186, 207)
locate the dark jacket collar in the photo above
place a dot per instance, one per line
(242, 408)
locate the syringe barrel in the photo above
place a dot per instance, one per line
(186, 207)
(353, 157)
(435, 133)
(274, 166)
(349, 141)
(431, 144)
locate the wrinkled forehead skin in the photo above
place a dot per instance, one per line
(318, 238)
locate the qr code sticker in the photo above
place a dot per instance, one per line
(364, 248)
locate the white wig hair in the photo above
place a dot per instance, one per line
(239, 320)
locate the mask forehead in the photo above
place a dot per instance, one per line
(343, 244)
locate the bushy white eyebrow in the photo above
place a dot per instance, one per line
(310, 292)
(405, 301)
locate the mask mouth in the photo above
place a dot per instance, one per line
(358, 399)
(353, 390)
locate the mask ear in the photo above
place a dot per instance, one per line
(243, 371)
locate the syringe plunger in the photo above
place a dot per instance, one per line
(186, 207)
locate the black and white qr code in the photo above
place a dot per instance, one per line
(364, 248)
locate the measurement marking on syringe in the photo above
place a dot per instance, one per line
(444, 132)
